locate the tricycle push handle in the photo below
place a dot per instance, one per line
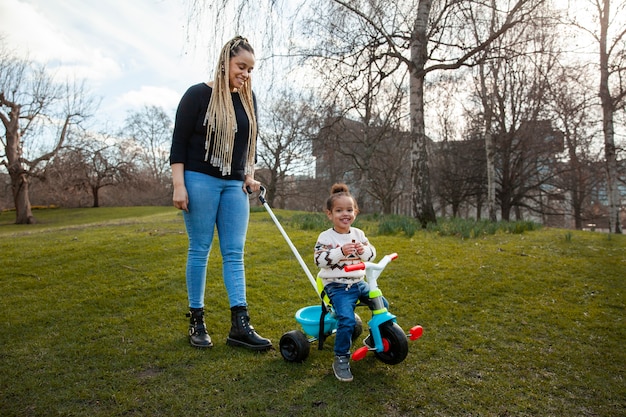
(262, 193)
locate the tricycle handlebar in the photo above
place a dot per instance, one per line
(354, 267)
(363, 265)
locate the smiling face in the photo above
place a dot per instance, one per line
(240, 67)
(342, 214)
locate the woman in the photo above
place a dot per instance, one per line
(212, 158)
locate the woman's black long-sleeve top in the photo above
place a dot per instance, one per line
(189, 137)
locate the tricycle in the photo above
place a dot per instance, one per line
(386, 339)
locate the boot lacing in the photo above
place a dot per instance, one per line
(245, 324)
(198, 327)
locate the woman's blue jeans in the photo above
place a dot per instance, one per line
(344, 298)
(222, 204)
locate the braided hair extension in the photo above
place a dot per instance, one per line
(220, 116)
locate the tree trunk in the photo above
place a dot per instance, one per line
(505, 205)
(479, 208)
(387, 205)
(420, 175)
(21, 199)
(608, 110)
(95, 191)
(455, 209)
(490, 146)
(490, 149)
(576, 187)
(17, 173)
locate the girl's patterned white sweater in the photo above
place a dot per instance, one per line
(331, 260)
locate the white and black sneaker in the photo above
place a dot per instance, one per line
(341, 367)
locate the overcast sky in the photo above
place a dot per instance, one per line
(130, 52)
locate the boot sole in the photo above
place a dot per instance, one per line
(239, 343)
(201, 346)
(210, 345)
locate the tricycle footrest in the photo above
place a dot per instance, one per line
(416, 332)
(360, 353)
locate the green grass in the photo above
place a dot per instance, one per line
(92, 323)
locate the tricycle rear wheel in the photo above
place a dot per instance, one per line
(294, 346)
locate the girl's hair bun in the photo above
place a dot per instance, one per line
(339, 188)
(337, 191)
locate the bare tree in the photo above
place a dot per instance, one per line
(521, 147)
(33, 106)
(460, 165)
(525, 144)
(421, 36)
(521, 43)
(605, 22)
(372, 159)
(368, 106)
(285, 144)
(63, 182)
(487, 100)
(612, 47)
(458, 159)
(149, 133)
(572, 107)
(90, 163)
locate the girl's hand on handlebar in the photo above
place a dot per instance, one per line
(352, 248)
(358, 247)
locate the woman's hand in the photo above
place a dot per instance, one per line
(180, 198)
(251, 183)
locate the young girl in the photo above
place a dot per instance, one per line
(336, 247)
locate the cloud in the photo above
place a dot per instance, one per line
(96, 69)
(164, 97)
(32, 34)
(130, 53)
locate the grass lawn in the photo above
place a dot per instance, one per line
(92, 305)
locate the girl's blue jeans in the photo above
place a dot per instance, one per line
(221, 204)
(344, 299)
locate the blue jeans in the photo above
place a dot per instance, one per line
(344, 300)
(222, 204)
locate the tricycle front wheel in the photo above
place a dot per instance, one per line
(398, 345)
(294, 346)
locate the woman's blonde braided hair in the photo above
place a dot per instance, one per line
(220, 117)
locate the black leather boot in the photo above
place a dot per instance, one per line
(198, 336)
(242, 333)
